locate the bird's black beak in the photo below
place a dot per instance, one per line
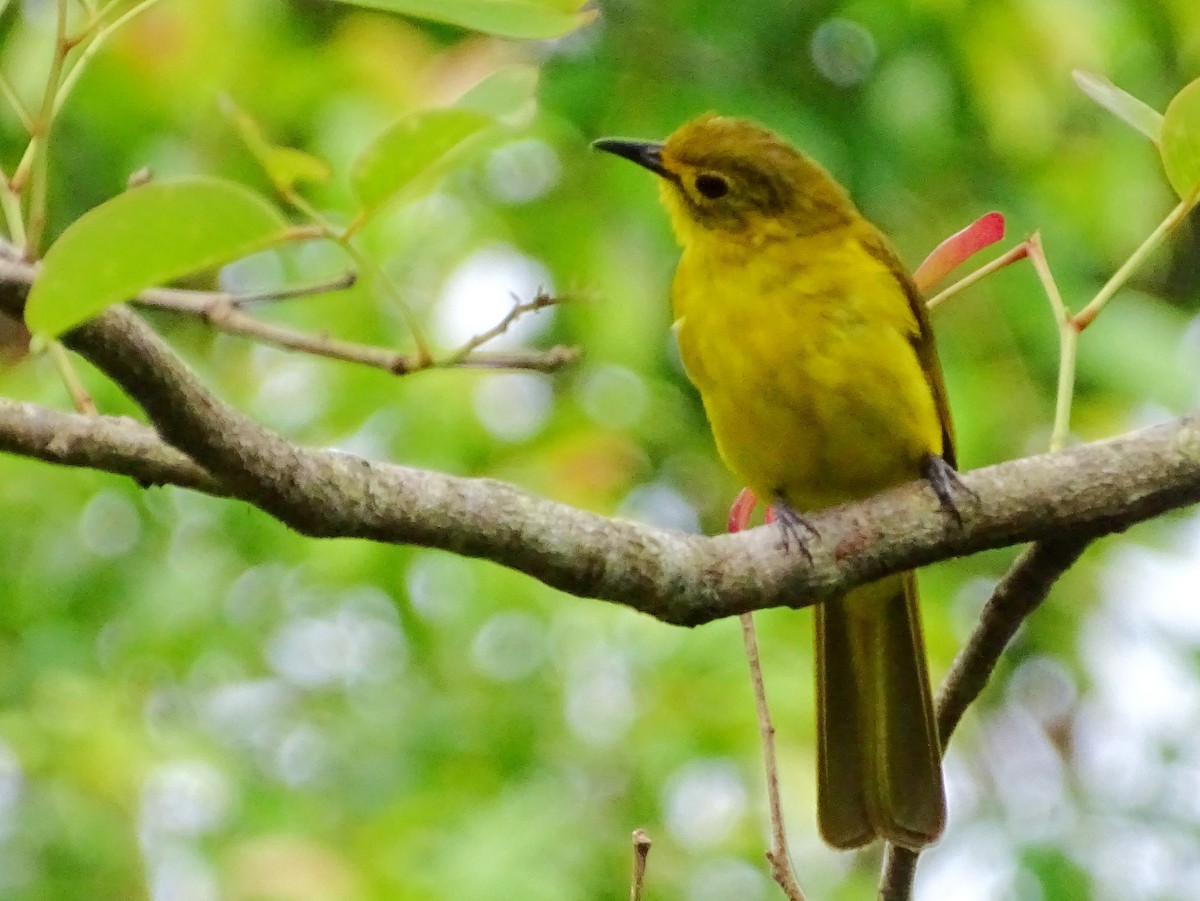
(644, 153)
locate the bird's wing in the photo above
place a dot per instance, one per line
(878, 246)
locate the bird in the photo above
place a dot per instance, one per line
(812, 352)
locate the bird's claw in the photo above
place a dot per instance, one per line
(794, 529)
(944, 481)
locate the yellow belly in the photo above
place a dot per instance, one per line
(807, 368)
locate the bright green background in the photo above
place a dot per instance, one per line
(198, 704)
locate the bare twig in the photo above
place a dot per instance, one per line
(329, 286)
(540, 301)
(550, 360)
(641, 850)
(223, 310)
(1019, 593)
(778, 856)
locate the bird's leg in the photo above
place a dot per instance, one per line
(944, 481)
(793, 527)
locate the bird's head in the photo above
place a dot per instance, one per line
(733, 177)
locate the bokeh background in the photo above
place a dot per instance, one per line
(198, 704)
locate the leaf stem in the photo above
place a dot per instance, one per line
(14, 216)
(1017, 253)
(1085, 316)
(37, 152)
(93, 46)
(80, 397)
(14, 101)
(368, 268)
(1068, 339)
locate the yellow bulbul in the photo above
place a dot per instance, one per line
(812, 352)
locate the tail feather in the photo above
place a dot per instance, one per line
(878, 758)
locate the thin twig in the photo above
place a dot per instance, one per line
(778, 855)
(641, 850)
(329, 286)
(222, 311)
(1069, 326)
(1015, 254)
(540, 301)
(551, 360)
(1019, 593)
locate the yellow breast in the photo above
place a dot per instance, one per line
(803, 353)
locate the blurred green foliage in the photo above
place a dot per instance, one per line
(200, 704)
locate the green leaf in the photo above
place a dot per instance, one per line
(528, 19)
(507, 92)
(285, 166)
(1181, 140)
(411, 152)
(142, 238)
(1121, 104)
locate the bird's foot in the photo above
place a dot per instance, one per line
(944, 481)
(794, 528)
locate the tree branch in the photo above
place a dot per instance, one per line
(109, 443)
(683, 579)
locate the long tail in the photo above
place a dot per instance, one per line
(879, 769)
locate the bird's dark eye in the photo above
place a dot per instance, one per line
(712, 186)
